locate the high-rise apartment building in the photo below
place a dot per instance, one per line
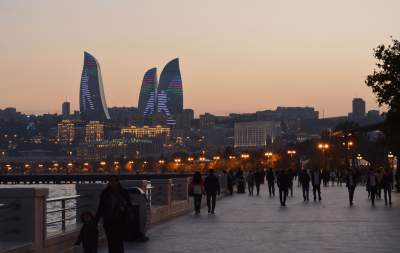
(358, 109)
(66, 109)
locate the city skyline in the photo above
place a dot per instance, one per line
(237, 60)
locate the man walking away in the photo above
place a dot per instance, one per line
(197, 190)
(372, 183)
(316, 183)
(259, 177)
(271, 182)
(283, 184)
(230, 179)
(304, 180)
(351, 184)
(250, 182)
(113, 209)
(387, 185)
(212, 188)
(290, 175)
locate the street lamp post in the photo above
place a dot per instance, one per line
(244, 157)
(347, 147)
(323, 147)
(267, 155)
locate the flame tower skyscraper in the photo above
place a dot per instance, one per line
(92, 103)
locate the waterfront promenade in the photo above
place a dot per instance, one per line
(259, 224)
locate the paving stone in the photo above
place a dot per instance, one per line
(259, 224)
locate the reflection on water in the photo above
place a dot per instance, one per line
(55, 190)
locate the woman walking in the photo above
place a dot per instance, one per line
(197, 190)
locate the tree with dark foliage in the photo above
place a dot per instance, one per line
(385, 83)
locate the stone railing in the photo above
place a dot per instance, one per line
(23, 212)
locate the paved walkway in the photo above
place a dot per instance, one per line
(258, 224)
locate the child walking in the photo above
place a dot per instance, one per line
(89, 233)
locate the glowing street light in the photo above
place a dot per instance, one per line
(291, 152)
(268, 155)
(216, 158)
(323, 146)
(245, 156)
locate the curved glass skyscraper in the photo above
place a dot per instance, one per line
(92, 102)
(148, 92)
(169, 92)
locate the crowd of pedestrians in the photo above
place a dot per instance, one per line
(377, 182)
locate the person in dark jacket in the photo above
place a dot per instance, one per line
(197, 190)
(290, 175)
(89, 233)
(259, 177)
(387, 185)
(271, 182)
(229, 177)
(351, 183)
(212, 188)
(372, 184)
(316, 178)
(283, 185)
(304, 179)
(250, 178)
(113, 208)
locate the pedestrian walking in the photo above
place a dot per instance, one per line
(290, 175)
(372, 183)
(250, 178)
(197, 191)
(283, 185)
(258, 178)
(113, 209)
(230, 181)
(351, 183)
(89, 234)
(387, 185)
(332, 176)
(316, 183)
(304, 179)
(271, 182)
(212, 188)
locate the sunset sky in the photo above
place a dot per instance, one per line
(235, 56)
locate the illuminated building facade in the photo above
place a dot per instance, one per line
(66, 132)
(91, 99)
(257, 134)
(146, 131)
(94, 132)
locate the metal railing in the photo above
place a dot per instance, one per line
(63, 209)
(148, 192)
